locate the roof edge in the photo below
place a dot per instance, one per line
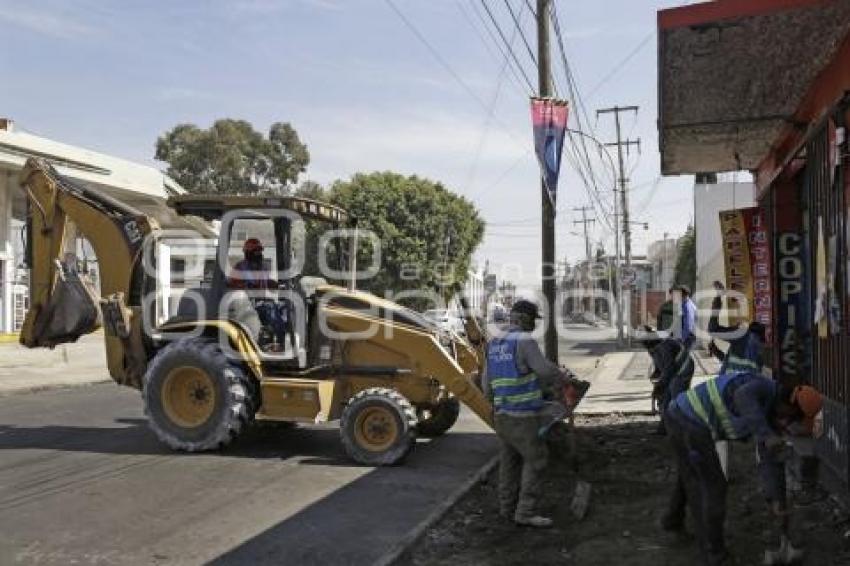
(708, 12)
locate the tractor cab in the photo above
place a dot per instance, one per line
(273, 254)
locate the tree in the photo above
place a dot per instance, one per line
(686, 259)
(427, 233)
(231, 157)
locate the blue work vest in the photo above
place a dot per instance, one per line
(708, 403)
(742, 362)
(512, 392)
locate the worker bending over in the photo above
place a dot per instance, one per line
(516, 375)
(733, 406)
(746, 343)
(674, 369)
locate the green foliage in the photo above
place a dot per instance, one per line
(231, 157)
(686, 259)
(427, 233)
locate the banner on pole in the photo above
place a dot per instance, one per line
(746, 255)
(549, 120)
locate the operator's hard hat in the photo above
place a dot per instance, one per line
(252, 245)
(527, 308)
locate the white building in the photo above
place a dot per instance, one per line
(140, 186)
(662, 254)
(710, 198)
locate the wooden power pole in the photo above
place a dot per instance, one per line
(624, 221)
(544, 65)
(588, 254)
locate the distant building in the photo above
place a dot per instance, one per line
(662, 255)
(140, 186)
(713, 194)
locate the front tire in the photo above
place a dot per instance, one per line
(378, 427)
(437, 420)
(195, 398)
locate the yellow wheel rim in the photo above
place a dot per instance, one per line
(376, 429)
(188, 396)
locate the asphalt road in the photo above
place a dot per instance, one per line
(83, 481)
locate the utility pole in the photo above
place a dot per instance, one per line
(544, 79)
(624, 198)
(585, 221)
(624, 205)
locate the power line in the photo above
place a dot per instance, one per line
(581, 159)
(448, 68)
(507, 45)
(616, 69)
(486, 129)
(515, 78)
(521, 33)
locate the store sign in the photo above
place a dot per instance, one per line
(789, 268)
(746, 256)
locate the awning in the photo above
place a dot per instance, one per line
(734, 76)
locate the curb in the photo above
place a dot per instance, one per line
(9, 337)
(398, 551)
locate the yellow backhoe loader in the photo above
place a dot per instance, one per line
(321, 353)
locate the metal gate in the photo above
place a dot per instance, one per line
(825, 225)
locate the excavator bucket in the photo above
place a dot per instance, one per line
(71, 311)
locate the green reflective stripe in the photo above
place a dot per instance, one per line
(522, 397)
(512, 381)
(720, 408)
(732, 359)
(516, 399)
(696, 404)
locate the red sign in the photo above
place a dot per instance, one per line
(746, 255)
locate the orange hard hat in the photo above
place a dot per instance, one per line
(810, 402)
(252, 245)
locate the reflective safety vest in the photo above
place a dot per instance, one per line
(684, 364)
(742, 362)
(512, 392)
(707, 403)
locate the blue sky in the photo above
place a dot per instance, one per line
(361, 89)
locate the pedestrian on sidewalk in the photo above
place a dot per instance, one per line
(685, 316)
(515, 378)
(746, 342)
(730, 407)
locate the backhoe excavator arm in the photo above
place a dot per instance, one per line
(57, 209)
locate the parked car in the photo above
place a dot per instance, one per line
(446, 319)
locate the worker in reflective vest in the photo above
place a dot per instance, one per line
(673, 369)
(516, 375)
(746, 343)
(731, 407)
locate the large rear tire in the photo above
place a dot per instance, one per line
(437, 420)
(378, 427)
(195, 398)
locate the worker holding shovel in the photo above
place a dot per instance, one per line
(516, 377)
(733, 406)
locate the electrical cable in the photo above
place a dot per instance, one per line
(507, 45)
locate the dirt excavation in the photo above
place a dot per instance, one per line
(631, 472)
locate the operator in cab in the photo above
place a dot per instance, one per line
(515, 378)
(250, 273)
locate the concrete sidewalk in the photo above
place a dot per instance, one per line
(620, 384)
(23, 369)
